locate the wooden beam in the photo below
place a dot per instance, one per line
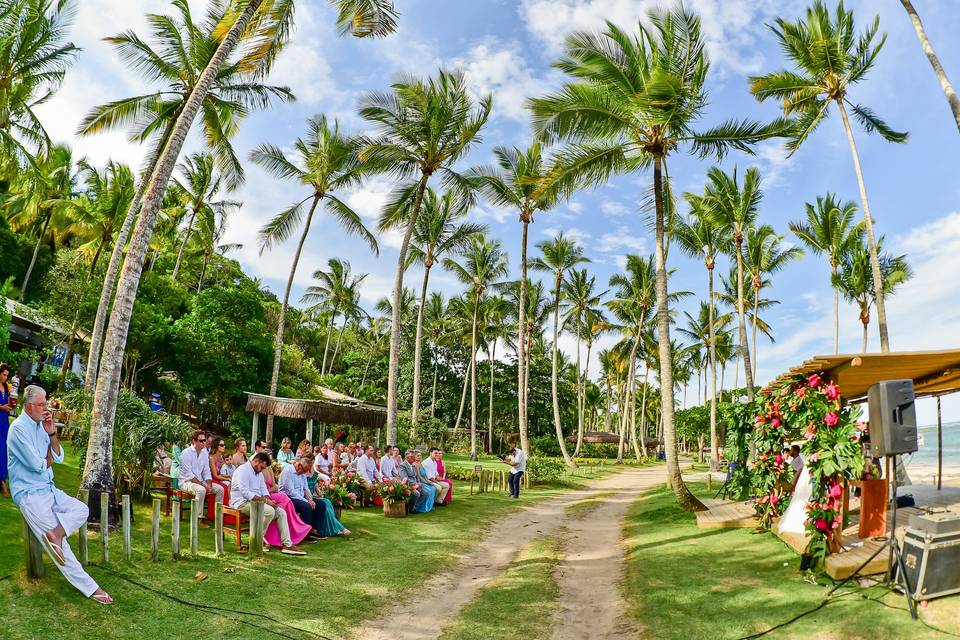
(310, 430)
(125, 524)
(256, 428)
(33, 551)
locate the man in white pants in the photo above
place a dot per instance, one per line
(247, 486)
(195, 476)
(32, 449)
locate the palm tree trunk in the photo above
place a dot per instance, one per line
(394, 366)
(493, 354)
(686, 500)
(473, 378)
(744, 345)
(756, 310)
(583, 400)
(643, 409)
(282, 319)
(433, 394)
(329, 332)
(553, 374)
(463, 400)
(576, 450)
(521, 340)
(183, 245)
(36, 251)
(417, 349)
(945, 84)
(336, 348)
(622, 404)
(871, 239)
(714, 442)
(633, 416)
(836, 308)
(98, 470)
(203, 271)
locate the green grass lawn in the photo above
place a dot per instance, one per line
(683, 582)
(340, 583)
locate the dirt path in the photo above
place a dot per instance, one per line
(590, 573)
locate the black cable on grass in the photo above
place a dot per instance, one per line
(223, 610)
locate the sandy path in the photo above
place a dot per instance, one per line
(424, 616)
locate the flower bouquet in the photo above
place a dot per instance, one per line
(395, 496)
(339, 494)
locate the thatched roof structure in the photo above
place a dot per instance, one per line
(606, 437)
(333, 408)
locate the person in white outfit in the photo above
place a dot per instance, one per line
(248, 486)
(33, 449)
(195, 476)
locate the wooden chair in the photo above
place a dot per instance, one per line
(233, 524)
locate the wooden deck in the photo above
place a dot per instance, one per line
(854, 550)
(726, 514)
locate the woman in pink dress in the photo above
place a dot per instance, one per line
(298, 528)
(217, 449)
(442, 477)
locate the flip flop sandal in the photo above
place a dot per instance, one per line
(56, 551)
(102, 598)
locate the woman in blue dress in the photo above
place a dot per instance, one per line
(5, 410)
(430, 491)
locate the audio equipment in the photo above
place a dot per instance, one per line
(893, 417)
(931, 555)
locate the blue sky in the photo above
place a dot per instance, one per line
(506, 48)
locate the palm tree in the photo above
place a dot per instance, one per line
(267, 25)
(211, 232)
(327, 296)
(829, 60)
(483, 264)
(35, 57)
(494, 313)
(734, 209)
(765, 255)
(438, 232)
(855, 281)
(520, 180)
(325, 162)
(98, 211)
(423, 127)
(945, 84)
(585, 319)
(559, 256)
(200, 186)
(829, 230)
(634, 99)
(180, 51)
(439, 324)
(700, 236)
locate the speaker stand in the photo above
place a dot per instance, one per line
(894, 578)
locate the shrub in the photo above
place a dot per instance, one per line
(543, 469)
(545, 446)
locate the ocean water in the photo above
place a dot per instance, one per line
(927, 453)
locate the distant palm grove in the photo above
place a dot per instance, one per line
(132, 261)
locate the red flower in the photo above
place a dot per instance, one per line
(836, 490)
(801, 392)
(810, 434)
(822, 525)
(759, 419)
(831, 419)
(832, 391)
(775, 422)
(779, 458)
(814, 381)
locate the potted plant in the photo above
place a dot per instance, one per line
(395, 496)
(340, 495)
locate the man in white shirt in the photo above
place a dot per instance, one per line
(389, 463)
(195, 476)
(796, 463)
(348, 458)
(517, 460)
(430, 467)
(293, 482)
(368, 472)
(248, 487)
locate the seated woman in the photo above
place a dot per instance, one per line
(331, 526)
(323, 464)
(303, 448)
(429, 491)
(442, 477)
(217, 448)
(286, 455)
(299, 530)
(239, 452)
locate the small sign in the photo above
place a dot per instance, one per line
(478, 468)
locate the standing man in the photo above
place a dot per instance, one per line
(33, 448)
(195, 476)
(517, 460)
(248, 487)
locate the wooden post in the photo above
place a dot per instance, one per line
(471, 482)
(256, 428)
(310, 431)
(194, 526)
(33, 551)
(105, 525)
(939, 448)
(709, 481)
(155, 532)
(256, 528)
(218, 529)
(84, 558)
(480, 482)
(125, 523)
(526, 480)
(175, 532)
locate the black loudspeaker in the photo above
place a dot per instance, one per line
(893, 417)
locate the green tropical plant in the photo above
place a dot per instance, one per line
(584, 319)
(829, 59)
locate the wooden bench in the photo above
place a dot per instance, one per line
(235, 528)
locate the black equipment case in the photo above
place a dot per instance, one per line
(931, 555)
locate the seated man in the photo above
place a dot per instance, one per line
(293, 482)
(407, 474)
(195, 476)
(390, 462)
(433, 476)
(368, 472)
(248, 487)
(32, 450)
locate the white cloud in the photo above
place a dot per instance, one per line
(571, 233)
(773, 162)
(613, 209)
(501, 70)
(622, 239)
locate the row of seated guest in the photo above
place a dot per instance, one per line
(428, 491)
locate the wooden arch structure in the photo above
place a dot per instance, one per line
(332, 408)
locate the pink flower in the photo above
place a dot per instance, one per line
(831, 419)
(779, 458)
(832, 391)
(836, 490)
(814, 456)
(775, 422)
(759, 419)
(352, 495)
(801, 392)
(810, 434)
(814, 381)
(774, 499)
(861, 426)
(822, 525)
